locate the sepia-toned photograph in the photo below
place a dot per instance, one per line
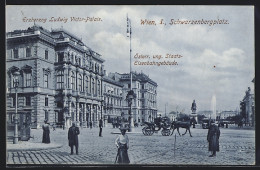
(90, 85)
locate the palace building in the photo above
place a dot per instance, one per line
(60, 77)
(63, 81)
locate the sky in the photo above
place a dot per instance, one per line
(216, 60)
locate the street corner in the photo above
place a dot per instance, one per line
(29, 146)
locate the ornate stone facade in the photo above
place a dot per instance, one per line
(60, 77)
(62, 80)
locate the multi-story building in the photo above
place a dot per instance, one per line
(144, 106)
(61, 80)
(113, 98)
(247, 108)
(60, 77)
(225, 114)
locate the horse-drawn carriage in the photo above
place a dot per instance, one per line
(167, 126)
(159, 123)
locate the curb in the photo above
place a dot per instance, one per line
(26, 147)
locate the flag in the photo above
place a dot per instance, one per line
(128, 31)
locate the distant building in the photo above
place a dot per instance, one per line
(206, 113)
(113, 98)
(144, 106)
(247, 108)
(225, 114)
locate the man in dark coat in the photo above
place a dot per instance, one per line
(46, 132)
(213, 138)
(73, 138)
(100, 127)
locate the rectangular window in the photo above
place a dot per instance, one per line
(28, 101)
(14, 102)
(46, 115)
(60, 57)
(46, 54)
(28, 52)
(46, 101)
(28, 79)
(60, 80)
(45, 79)
(16, 53)
(129, 86)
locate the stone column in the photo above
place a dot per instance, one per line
(90, 113)
(68, 120)
(77, 112)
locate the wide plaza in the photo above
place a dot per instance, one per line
(237, 147)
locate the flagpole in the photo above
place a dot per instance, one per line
(129, 30)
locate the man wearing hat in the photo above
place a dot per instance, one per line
(46, 132)
(122, 144)
(213, 138)
(73, 138)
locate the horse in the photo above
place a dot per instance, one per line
(180, 124)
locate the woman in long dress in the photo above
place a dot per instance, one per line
(122, 143)
(213, 138)
(46, 132)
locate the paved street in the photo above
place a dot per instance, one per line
(237, 147)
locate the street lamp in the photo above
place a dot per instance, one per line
(16, 83)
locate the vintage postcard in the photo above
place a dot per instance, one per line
(132, 85)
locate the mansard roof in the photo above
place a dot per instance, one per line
(110, 80)
(56, 34)
(138, 77)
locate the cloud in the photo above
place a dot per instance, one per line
(230, 48)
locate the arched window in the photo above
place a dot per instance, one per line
(86, 84)
(72, 80)
(98, 87)
(45, 80)
(28, 78)
(93, 86)
(80, 86)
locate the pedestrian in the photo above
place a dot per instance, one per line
(100, 127)
(213, 138)
(63, 124)
(73, 138)
(90, 125)
(46, 132)
(122, 143)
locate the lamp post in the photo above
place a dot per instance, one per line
(16, 83)
(102, 100)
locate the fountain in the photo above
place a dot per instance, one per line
(213, 108)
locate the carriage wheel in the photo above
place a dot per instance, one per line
(168, 132)
(149, 131)
(163, 132)
(144, 131)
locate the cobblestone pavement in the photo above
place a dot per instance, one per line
(237, 147)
